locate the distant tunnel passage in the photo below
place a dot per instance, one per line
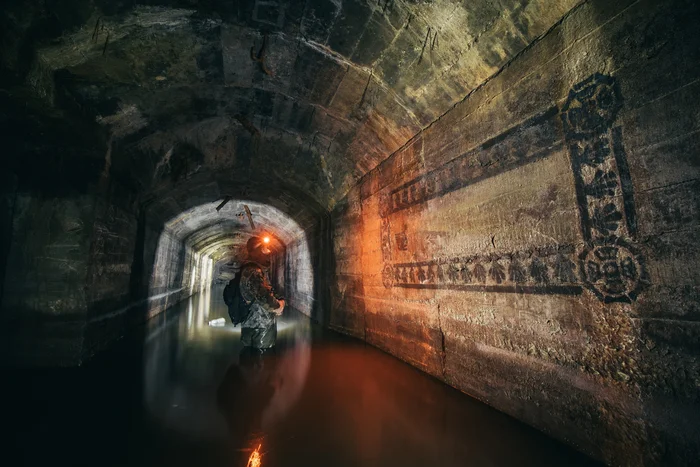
(205, 245)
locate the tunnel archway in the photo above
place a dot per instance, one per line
(195, 246)
(186, 211)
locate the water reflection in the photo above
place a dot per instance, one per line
(316, 399)
(200, 381)
(255, 459)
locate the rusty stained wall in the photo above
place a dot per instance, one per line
(536, 247)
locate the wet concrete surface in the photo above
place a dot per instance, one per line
(181, 393)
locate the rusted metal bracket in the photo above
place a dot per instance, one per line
(250, 216)
(223, 203)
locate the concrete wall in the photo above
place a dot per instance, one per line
(8, 195)
(299, 277)
(177, 273)
(307, 282)
(137, 270)
(537, 246)
(278, 271)
(44, 298)
(80, 270)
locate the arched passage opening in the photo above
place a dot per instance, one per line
(204, 244)
(192, 234)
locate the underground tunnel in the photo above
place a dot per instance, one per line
(469, 228)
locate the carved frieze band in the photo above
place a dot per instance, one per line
(543, 270)
(610, 265)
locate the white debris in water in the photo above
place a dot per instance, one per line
(217, 323)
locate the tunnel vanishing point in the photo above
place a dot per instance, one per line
(504, 194)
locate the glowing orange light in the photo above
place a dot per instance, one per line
(255, 459)
(266, 239)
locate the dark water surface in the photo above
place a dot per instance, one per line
(182, 393)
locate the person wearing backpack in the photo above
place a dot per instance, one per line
(251, 300)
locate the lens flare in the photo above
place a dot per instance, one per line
(255, 459)
(266, 240)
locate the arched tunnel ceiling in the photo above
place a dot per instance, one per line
(313, 92)
(204, 188)
(222, 234)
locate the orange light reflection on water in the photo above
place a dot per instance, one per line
(255, 459)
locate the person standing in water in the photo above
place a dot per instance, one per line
(251, 300)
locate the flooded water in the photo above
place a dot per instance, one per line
(184, 393)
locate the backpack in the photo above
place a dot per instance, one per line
(238, 309)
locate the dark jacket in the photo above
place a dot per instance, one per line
(259, 326)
